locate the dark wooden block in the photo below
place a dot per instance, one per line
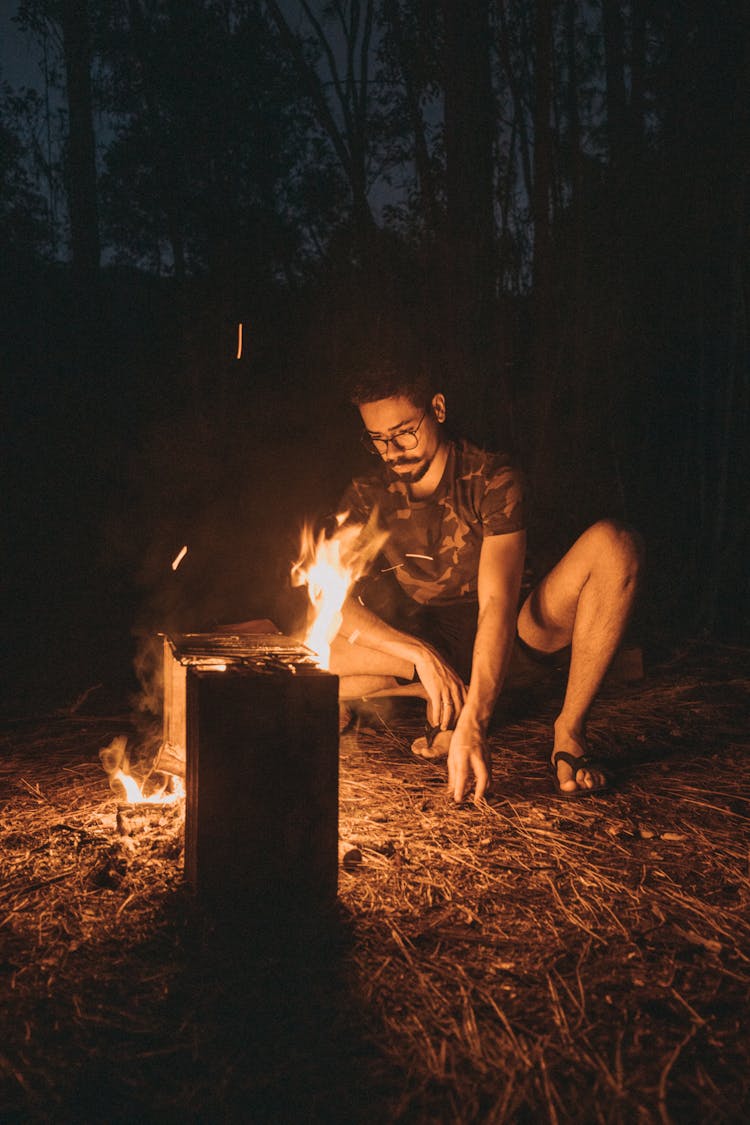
(261, 830)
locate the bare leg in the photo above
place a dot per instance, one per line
(355, 687)
(357, 660)
(363, 671)
(585, 601)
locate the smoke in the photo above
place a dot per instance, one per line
(115, 756)
(148, 664)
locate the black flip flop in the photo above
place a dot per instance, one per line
(580, 763)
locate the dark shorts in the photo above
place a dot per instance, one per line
(451, 628)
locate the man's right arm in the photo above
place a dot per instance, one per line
(364, 630)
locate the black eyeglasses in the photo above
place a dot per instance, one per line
(403, 440)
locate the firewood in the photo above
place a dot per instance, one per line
(170, 759)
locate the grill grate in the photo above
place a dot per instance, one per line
(262, 652)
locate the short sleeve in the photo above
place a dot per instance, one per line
(357, 503)
(503, 507)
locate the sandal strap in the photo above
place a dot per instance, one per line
(583, 762)
(431, 732)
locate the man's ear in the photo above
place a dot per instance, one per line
(438, 407)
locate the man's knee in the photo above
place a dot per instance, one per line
(617, 546)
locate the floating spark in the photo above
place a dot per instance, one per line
(178, 558)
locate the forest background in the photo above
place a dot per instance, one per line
(548, 200)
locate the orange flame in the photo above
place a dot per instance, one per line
(329, 565)
(114, 759)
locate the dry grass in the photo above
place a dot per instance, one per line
(535, 959)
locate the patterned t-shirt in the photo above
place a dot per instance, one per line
(434, 544)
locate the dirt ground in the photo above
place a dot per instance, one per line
(535, 959)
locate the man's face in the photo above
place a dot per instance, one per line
(395, 425)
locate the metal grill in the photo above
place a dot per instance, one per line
(259, 651)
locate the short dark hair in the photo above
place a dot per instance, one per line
(385, 377)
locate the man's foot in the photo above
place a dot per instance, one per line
(346, 716)
(575, 774)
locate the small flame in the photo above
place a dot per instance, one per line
(239, 340)
(114, 759)
(329, 565)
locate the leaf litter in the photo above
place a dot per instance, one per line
(530, 959)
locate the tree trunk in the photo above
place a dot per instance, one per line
(81, 157)
(169, 196)
(350, 142)
(519, 112)
(638, 74)
(575, 166)
(422, 163)
(543, 375)
(470, 246)
(614, 65)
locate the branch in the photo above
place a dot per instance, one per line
(331, 60)
(312, 85)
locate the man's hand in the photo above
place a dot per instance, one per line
(445, 689)
(468, 757)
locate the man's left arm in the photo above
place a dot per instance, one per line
(499, 582)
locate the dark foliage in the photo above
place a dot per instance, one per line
(290, 170)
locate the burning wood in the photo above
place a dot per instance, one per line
(149, 790)
(170, 760)
(135, 819)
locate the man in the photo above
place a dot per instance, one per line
(456, 548)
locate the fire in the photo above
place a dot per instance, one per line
(114, 759)
(329, 565)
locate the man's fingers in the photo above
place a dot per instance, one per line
(457, 776)
(458, 789)
(483, 779)
(451, 705)
(435, 709)
(463, 764)
(457, 698)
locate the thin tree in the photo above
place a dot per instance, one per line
(470, 249)
(81, 155)
(344, 113)
(543, 319)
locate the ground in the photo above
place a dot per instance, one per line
(535, 959)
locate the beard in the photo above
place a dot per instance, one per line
(411, 475)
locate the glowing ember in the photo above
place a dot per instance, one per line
(114, 758)
(239, 340)
(329, 565)
(178, 558)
